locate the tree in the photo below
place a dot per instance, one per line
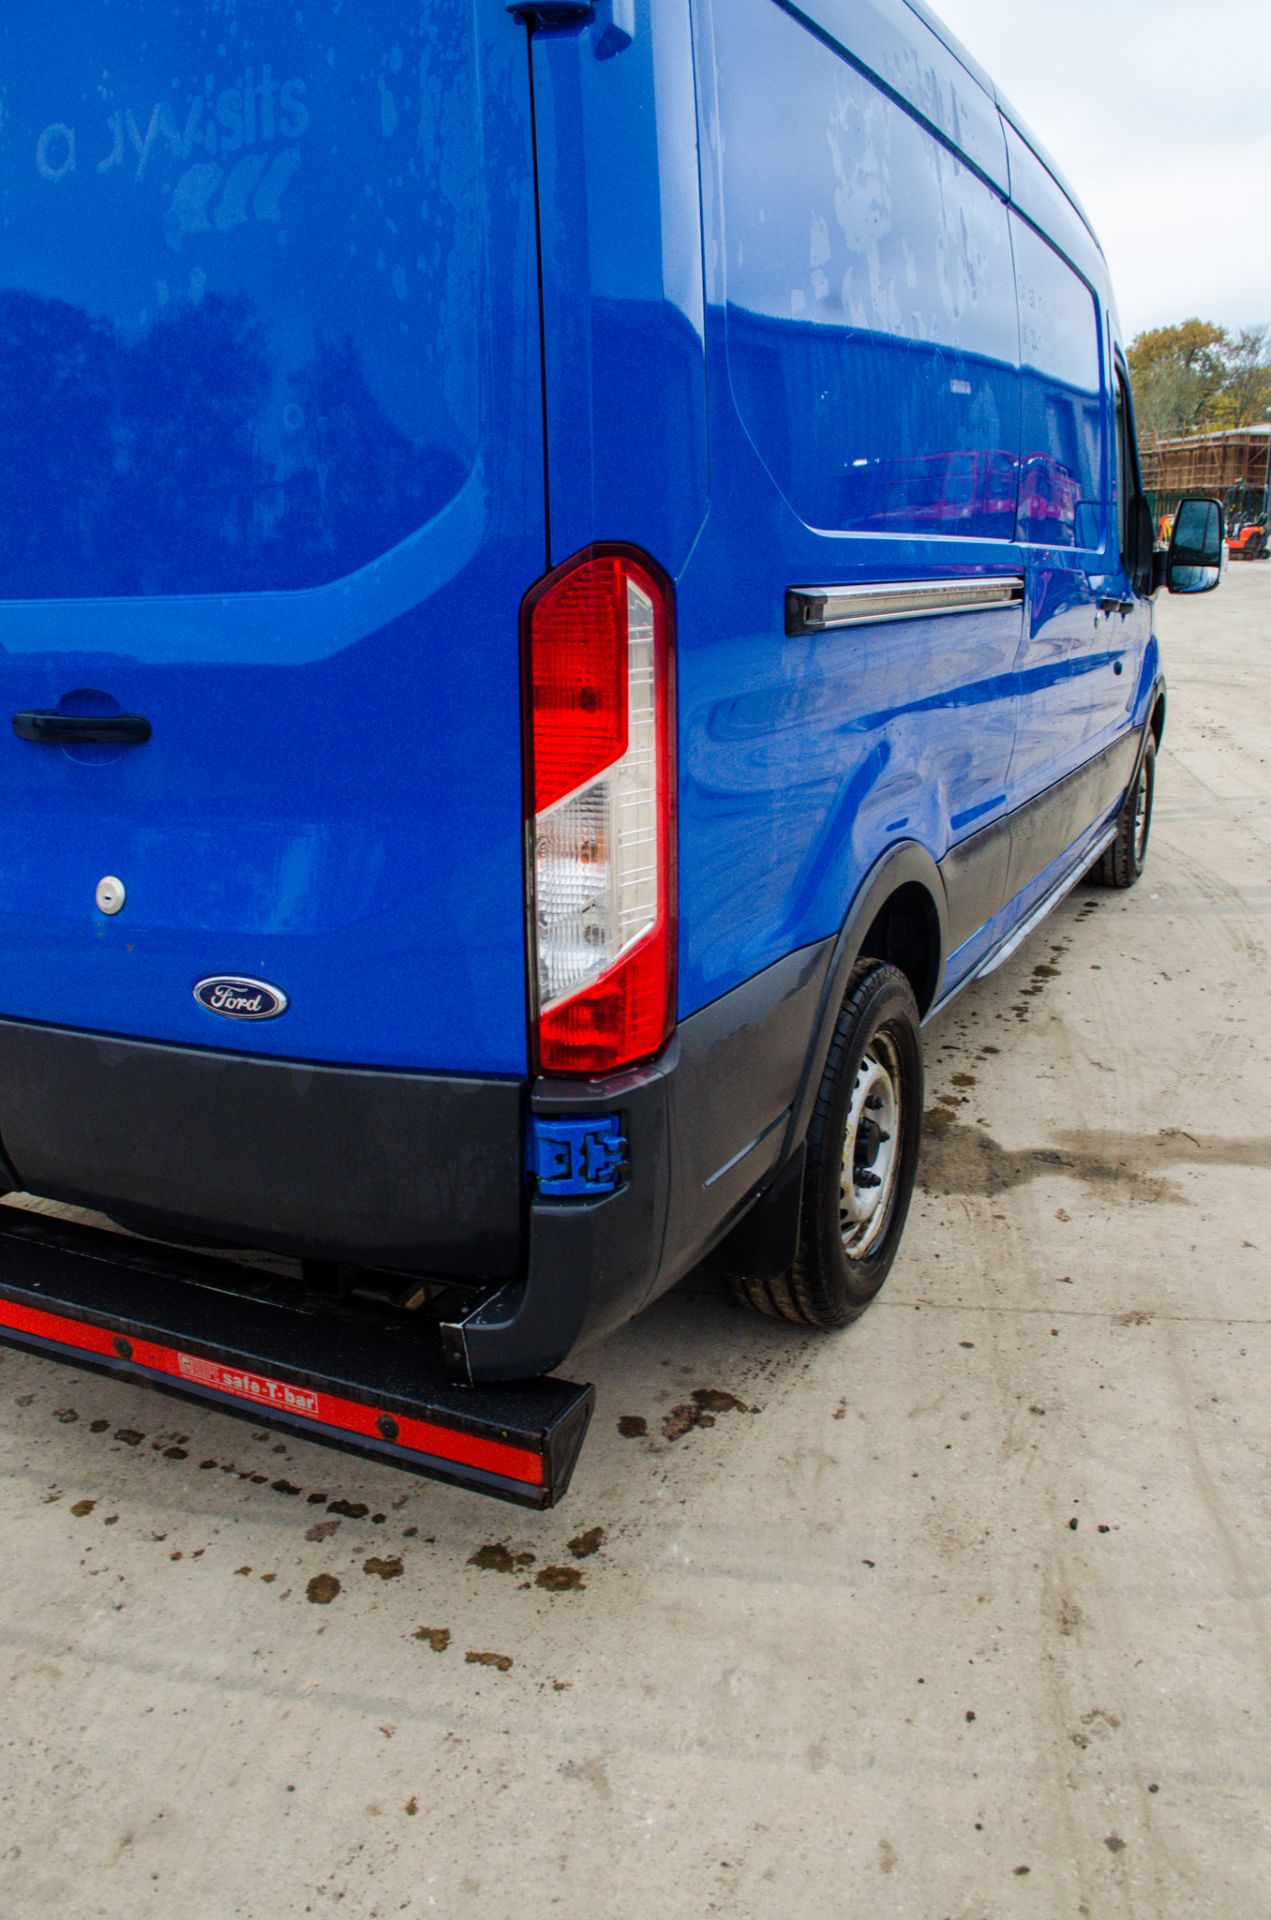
(1198, 378)
(1177, 373)
(1246, 396)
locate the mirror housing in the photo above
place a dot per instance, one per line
(1195, 559)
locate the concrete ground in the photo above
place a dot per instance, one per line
(959, 1615)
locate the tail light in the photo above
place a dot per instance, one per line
(601, 800)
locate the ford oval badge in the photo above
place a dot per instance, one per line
(238, 998)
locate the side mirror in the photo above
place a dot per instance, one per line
(1196, 547)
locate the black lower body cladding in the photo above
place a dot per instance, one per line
(418, 1172)
(423, 1173)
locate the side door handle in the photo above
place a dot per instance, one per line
(77, 729)
(1110, 606)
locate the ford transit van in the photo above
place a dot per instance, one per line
(569, 574)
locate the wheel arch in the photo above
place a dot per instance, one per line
(900, 909)
(899, 914)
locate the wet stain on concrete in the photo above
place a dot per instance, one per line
(583, 1545)
(713, 1400)
(438, 1638)
(322, 1530)
(966, 1160)
(498, 1557)
(322, 1589)
(633, 1426)
(1070, 1617)
(560, 1580)
(502, 1661)
(386, 1569)
(83, 1508)
(700, 1411)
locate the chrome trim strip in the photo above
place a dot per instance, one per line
(818, 609)
(999, 955)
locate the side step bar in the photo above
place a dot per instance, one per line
(373, 1383)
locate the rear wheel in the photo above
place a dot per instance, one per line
(861, 1160)
(1124, 861)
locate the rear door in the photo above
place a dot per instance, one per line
(270, 477)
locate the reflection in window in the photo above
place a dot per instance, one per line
(1061, 485)
(872, 331)
(239, 291)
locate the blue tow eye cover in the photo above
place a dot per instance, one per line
(579, 1157)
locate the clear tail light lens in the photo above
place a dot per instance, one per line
(600, 729)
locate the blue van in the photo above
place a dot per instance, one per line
(572, 570)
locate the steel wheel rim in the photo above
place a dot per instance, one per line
(870, 1167)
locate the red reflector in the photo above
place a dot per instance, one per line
(578, 678)
(624, 1017)
(323, 1409)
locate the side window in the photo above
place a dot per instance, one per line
(1128, 483)
(872, 332)
(1063, 413)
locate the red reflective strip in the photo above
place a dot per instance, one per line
(324, 1409)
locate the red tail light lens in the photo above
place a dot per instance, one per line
(598, 663)
(578, 641)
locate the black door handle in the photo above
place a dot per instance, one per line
(78, 729)
(1116, 606)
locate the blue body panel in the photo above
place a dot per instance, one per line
(623, 303)
(896, 393)
(325, 334)
(813, 312)
(271, 476)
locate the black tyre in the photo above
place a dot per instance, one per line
(862, 1157)
(1124, 861)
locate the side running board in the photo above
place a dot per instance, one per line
(371, 1382)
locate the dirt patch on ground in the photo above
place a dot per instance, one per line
(967, 1160)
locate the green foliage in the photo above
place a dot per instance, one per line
(1199, 378)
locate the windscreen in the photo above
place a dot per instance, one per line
(239, 261)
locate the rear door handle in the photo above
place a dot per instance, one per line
(78, 729)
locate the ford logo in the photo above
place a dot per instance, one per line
(240, 999)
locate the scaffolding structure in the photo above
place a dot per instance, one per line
(1232, 466)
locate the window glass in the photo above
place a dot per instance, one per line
(239, 288)
(1061, 479)
(1123, 471)
(872, 331)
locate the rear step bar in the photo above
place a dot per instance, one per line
(370, 1382)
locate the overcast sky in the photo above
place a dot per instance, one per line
(1159, 112)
